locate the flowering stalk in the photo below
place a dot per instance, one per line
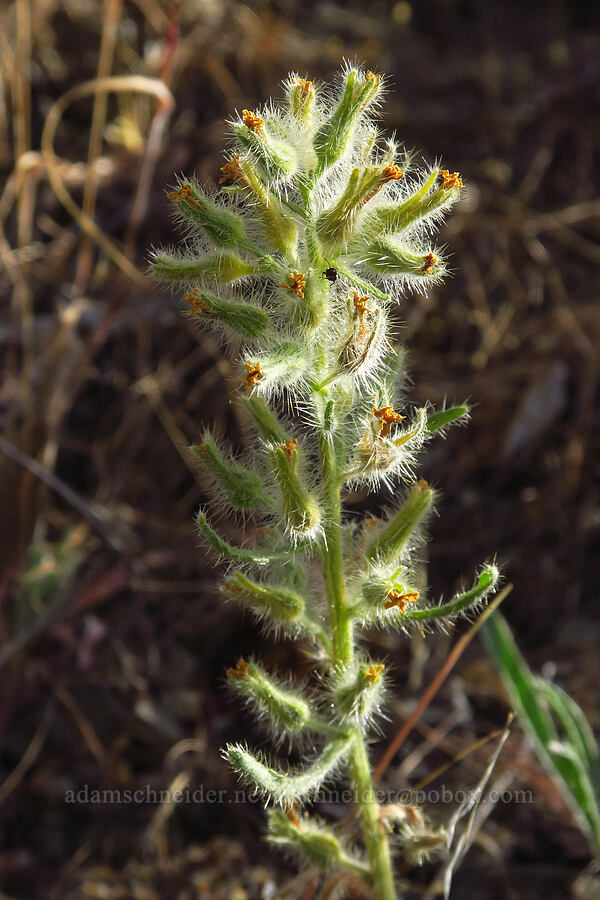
(317, 227)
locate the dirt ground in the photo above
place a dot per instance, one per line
(113, 638)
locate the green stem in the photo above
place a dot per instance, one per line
(368, 807)
(342, 631)
(333, 559)
(343, 650)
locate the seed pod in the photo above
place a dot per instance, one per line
(242, 488)
(313, 840)
(278, 226)
(334, 136)
(385, 256)
(282, 605)
(287, 788)
(223, 227)
(218, 266)
(265, 139)
(357, 692)
(335, 225)
(391, 541)
(286, 710)
(301, 96)
(420, 206)
(301, 511)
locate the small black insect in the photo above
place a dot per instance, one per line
(331, 274)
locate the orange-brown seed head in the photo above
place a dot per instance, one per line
(373, 672)
(183, 193)
(296, 284)
(253, 375)
(289, 448)
(240, 670)
(197, 304)
(388, 417)
(429, 262)
(232, 171)
(253, 121)
(395, 598)
(450, 180)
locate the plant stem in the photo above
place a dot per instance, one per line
(333, 560)
(343, 650)
(374, 835)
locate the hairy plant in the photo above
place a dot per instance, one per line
(319, 225)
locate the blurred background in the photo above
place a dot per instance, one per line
(113, 638)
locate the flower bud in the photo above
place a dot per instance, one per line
(335, 226)
(278, 226)
(301, 96)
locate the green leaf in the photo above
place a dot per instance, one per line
(315, 841)
(390, 542)
(220, 266)
(280, 603)
(287, 710)
(518, 678)
(245, 319)
(572, 761)
(571, 718)
(223, 227)
(445, 417)
(259, 556)
(486, 582)
(286, 788)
